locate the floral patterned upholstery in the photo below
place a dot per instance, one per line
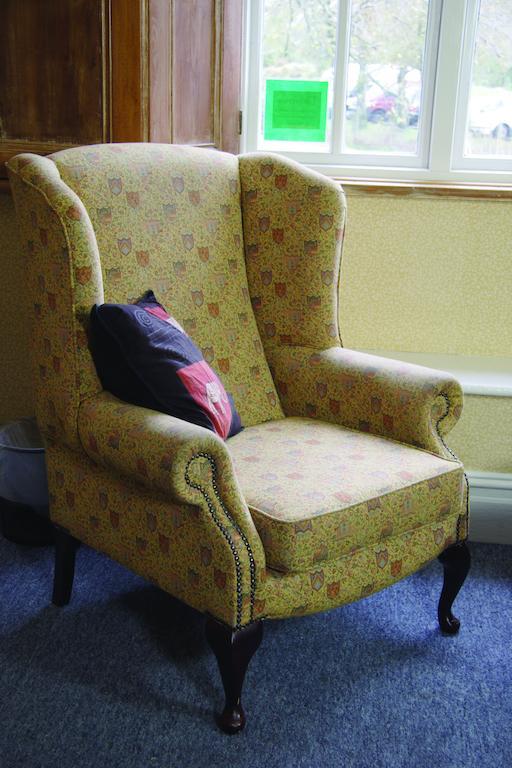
(294, 223)
(317, 491)
(352, 491)
(386, 397)
(357, 575)
(136, 217)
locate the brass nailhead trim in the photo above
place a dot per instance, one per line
(466, 515)
(225, 533)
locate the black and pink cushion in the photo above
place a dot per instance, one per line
(144, 356)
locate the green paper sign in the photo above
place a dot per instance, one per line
(295, 110)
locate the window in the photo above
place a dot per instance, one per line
(484, 133)
(381, 88)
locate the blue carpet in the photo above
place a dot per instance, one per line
(122, 677)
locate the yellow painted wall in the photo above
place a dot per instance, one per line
(422, 275)
(482, 437)
(434, 274)
(428, 274)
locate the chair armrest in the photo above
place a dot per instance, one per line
(405, 402)
(183, 462)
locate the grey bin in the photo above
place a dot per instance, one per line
(22, 465)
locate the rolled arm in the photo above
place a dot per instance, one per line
(186, 464)
(405, 402)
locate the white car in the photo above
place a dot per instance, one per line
(490, 112)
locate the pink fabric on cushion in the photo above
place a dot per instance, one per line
(207, 390)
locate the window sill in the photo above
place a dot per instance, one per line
(355, 187)
(485, 376)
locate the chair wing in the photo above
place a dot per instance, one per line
(294, 224)
(293, 228)
(64, 281)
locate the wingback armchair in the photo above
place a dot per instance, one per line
(341, 482)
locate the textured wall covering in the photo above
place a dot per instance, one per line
(424, 275)
(431, 275)
(427, 275)
(15, 386)
(483, 436)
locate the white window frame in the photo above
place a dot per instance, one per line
(460, 160)
(443, 114)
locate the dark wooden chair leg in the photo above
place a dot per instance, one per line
(64, 571)
(233, 649)
(456, 562)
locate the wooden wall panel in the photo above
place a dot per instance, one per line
(54, 75)
(160, 70)
(76, 72)
(51, 70)
(193, 71)
(129, 70)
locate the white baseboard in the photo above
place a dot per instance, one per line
(490, 507)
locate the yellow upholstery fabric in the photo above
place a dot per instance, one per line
(294, 223)
(64, 281)
(357, 575)
(317, 491)
(184, 548)
(409, 403)
(337, 497)
(170, 220)
(147, 217)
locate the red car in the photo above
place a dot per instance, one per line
(382, 106)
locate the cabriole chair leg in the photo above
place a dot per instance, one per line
(233, 649)
(64, 570)
(456, 562)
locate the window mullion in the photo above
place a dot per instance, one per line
(428, 76)
(340, 75)
(252, 97)
(451, 41)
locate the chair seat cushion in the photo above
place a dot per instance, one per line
(317, 491)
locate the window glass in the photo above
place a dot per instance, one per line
(384, 76)
(387, 89)
(299, 49)
(489, 126)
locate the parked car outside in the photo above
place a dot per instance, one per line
(490, 112)
(381, 97)
(383, 107)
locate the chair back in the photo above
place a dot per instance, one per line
(108, 222)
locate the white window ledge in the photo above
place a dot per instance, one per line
(490, 376)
